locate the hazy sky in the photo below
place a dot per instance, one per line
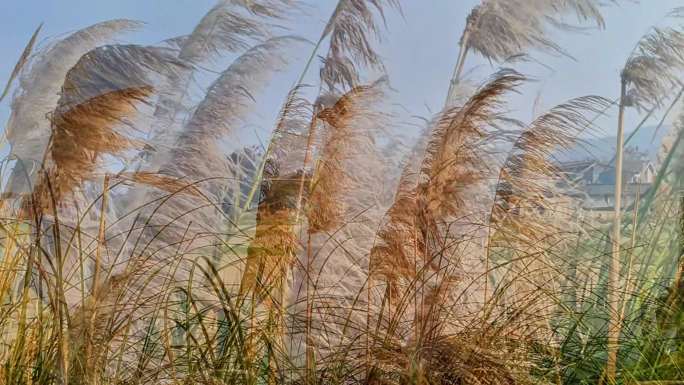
(419, 50)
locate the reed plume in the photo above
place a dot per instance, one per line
(347, 141)
(398, 240)
(184, 192)
(197, 160)
(531, 214)
(230, 27)
(350, 48)
(455, 195)
(343, 203)
(653, 68)
(350, 51)
(197, 154)
(498, 30)
(98, 93)
(271, 253)
(649, 74)
(432, 247)
(430, 238)
(28, 129)
(351, 27)
(526, 181)
(226, 29)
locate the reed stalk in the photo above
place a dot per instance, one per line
(615, 263)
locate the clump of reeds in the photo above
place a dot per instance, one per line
(139, 246)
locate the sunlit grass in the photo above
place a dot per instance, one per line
(136, 249)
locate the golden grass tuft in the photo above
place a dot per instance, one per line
(82, 134)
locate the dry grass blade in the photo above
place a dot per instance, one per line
(161, 182)
(23, 59)
(464, 358)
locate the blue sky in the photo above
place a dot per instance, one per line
(419, 50)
